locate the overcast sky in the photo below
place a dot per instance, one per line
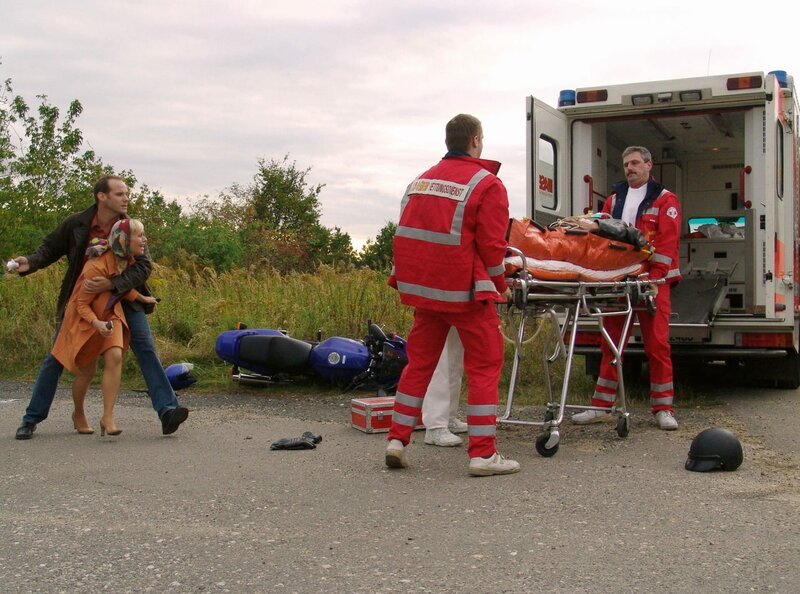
(190, 94)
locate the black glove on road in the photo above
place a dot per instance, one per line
(308, 441)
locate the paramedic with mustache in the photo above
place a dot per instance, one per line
(655, 211)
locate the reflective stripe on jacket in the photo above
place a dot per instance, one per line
(450, 240)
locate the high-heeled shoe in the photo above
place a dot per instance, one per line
(103, 430)
(82, 430)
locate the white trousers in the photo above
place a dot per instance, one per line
(441, 400)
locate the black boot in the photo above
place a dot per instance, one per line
(25, 431)
(172, 419)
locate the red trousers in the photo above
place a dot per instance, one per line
(655, 335)
(479, 331)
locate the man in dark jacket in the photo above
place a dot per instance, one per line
(71, 239)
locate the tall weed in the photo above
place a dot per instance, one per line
(198, 303)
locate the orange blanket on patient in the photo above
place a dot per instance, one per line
(572, 254)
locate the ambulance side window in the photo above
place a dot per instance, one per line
(779, 160)
(546, 191)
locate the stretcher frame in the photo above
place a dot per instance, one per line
(565, 304)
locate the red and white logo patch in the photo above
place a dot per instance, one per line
(672, 212)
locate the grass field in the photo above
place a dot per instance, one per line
(197, 304)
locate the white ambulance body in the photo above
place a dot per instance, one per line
(728, 147)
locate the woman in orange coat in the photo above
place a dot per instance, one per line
(94, 324)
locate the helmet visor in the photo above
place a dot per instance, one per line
(702, 463)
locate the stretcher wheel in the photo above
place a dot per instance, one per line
(623, 426)
(541, 445)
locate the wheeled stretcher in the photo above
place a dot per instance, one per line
(563, 304)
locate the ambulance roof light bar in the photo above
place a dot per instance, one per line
(695, 89)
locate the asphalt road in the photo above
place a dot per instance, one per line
(212, 509)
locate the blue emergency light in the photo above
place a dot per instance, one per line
(566, 97)
(783, 78)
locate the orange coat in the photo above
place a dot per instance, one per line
(78, 343)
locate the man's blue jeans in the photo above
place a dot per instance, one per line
(161, 393)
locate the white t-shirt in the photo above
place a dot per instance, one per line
(632, 202)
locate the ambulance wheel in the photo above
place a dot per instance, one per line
(541, 446)
(623, 426)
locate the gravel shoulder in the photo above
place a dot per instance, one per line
(211, 508)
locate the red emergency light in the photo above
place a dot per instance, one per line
(764, 339)
(745, 82)
(592, 96)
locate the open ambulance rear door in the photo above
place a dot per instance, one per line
(548, 188)
(775, 161)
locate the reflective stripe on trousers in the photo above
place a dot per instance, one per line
(655, 335)
(479, 331)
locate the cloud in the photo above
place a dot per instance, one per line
(189, 95)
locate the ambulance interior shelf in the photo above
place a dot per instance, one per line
(714, 248)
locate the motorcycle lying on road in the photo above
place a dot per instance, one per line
(270, 355)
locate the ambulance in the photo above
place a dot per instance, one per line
(727, 145)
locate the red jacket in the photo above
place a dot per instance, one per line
(451, 238)
(659, 219)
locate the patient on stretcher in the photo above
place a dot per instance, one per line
(566, 252)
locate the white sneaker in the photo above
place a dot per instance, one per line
(396, 454)
(494, 465)
(441, 436)
(666, 420)
(591, 416)
(457, 426)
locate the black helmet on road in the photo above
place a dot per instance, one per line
(714, 448)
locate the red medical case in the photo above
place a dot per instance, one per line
(373, 415)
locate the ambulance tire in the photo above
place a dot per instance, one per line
(790, 368)
(782, 373)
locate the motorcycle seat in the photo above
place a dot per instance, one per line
(279, 353)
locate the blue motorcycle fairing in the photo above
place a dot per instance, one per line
(340, 359)
(228, 348)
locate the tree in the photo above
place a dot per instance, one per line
(277, 216)
(43, 174)
(281, 200)
(179, 239)
(333, 246)
(378, 254)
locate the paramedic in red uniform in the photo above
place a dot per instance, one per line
(655, 211)
(448, 264)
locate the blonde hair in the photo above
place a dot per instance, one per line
(135, 226)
